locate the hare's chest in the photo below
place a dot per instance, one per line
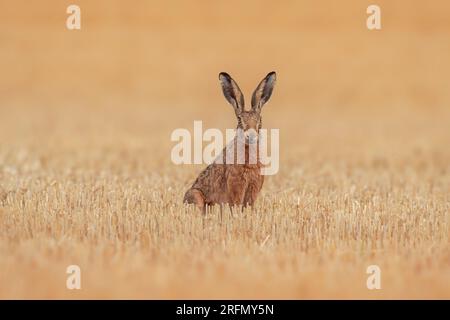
(253, 177)
(245, 175)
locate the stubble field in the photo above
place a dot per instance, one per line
(86, 176)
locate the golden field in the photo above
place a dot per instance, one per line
(86, 176)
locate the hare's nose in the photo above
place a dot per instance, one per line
(252, 135)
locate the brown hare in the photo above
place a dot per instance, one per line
(238, 183)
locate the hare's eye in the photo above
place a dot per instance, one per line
(240, 122)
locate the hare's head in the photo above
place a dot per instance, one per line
(248, 121)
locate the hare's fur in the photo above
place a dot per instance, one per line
(234, 184)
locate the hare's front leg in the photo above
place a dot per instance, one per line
(250, 196)
(236, 190)
(253, 189)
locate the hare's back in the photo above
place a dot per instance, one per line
(212, 182)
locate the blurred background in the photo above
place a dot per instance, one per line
(135, 72)
(154, 65)
(353, 107)
(157, 54)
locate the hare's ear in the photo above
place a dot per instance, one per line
(263, 91)
(232, 92)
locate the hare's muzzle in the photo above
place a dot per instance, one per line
(251, 136)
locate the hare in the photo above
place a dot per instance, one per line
(235, 184)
